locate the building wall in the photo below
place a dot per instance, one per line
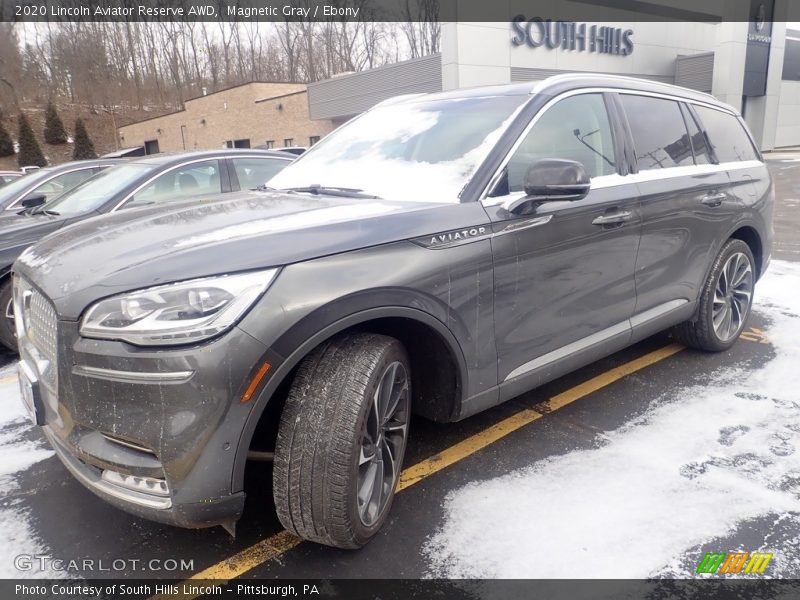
(483, 54)
(349, 95)
(788, 129)
(255, 111)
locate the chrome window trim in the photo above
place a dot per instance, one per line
(13, 205)
(191, 162)
(615, 179)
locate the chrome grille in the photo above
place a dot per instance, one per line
(37, 329)
(43, 326)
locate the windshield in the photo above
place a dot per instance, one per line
(424, 151)
(10, 191)
(98, 190)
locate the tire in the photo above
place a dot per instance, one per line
(705, 331)
(325, 453)
(8, 333)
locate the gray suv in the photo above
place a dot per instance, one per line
(439, 255)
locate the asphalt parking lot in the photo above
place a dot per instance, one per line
(634, 466)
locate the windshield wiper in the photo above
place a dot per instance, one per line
(331, 191)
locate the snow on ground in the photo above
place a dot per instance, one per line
(17, 453)
(697, 465)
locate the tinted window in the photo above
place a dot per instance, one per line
(576, 128)
(191, 181)
(93, 193)
(63, 183)
(659, 133)
(702, 156)
(726, 134)
(253, 172)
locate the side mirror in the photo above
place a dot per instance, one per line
(550, 180)
(33, 200)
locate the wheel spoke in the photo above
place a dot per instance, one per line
(719, 317)
(375, 505)
(366, 486)
(723, 281)
(364, 457)
(726, 321)
(397, 395)
(389, 462)
(385, 392)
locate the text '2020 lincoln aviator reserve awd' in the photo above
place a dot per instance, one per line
(439, 254)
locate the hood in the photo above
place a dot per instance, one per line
(17, 232)
(144, 247)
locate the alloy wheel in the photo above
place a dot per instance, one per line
(383, 443)
(732, 296)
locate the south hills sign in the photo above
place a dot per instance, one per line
(569, 35)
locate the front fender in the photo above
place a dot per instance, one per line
(449, 291)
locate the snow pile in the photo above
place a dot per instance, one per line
(701, 462)
(17, 453)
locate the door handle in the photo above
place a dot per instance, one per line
(613, 219)
(713, 199)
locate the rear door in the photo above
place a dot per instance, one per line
(679, 189)
(564, 272)
(748, 175)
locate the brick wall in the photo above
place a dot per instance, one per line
(255, 111)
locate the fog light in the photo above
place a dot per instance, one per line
(144, 485)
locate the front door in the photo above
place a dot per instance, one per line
(564, 272)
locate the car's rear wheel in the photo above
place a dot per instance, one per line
(725, 301)
(8, 334)
(342, 438)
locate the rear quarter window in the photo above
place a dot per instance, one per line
(727, 135)
(659, 132)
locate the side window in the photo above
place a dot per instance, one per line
(659, 133)
(702, 155)
(63, 183)
(576, 128)
(253, 172)
(191, 181)
(726, 134)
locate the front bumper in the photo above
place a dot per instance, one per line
(207, 513)
(154, 432)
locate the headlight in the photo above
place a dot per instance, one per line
(178, 313)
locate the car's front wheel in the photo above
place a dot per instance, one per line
(341, 440)
(725, 301)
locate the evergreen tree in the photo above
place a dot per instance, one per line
(54, 131)
(30, 153)
(6, 143)
(84, 148)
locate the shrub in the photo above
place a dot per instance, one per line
(84, 148)
(54, 131)
(30, 153)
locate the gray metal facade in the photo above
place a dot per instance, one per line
(348, 95)
(695, 71)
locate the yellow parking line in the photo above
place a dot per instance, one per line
(275, 545)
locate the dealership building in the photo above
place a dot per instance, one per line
(754, 66)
